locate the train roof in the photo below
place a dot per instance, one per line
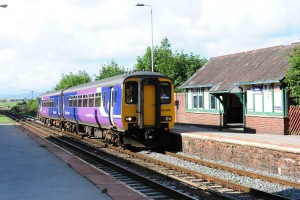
(105, 82)
(52, 93)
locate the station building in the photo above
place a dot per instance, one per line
(244, 90)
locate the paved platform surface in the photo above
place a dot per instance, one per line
(29, 170)
(280, 142)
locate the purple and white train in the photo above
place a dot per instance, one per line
(135, 109)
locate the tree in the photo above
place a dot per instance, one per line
(178, 66)
(112, 69)
(26, 107)
(68, 80)
(292, 76)
(32, 106)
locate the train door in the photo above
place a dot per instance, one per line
(112, 101)
(149, 105)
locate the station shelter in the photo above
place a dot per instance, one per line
(244, 90)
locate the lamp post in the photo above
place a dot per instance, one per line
(3, 5)
(32, 94)
(152, 63)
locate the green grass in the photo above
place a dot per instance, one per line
(7, 104)
(4, 119)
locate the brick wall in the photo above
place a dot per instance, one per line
(267, 125)
(183, 116)
(272, 160)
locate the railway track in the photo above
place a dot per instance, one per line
(216, 186)
(150, 188)
(234, 170)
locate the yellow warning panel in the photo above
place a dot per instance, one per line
(149, 105)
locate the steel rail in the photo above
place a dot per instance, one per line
(160, 187)
(206, 177)
(203, 176)
(169, 191)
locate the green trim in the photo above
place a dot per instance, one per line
(273, 101)
(202, 111)
(266, 113)
(263, 98)
(219, 91)
(284, 101)
(253, 100)
(244, 110)
(258, 82)
(196, 86)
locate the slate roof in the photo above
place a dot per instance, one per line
(224, 73)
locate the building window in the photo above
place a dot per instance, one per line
(258, 103)
(212, 102)
(249, 100)
(195, 99)
(200, 98)
(278, 99)
(268, 102)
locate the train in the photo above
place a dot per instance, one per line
(134, 109)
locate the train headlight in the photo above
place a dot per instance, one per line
(166, 118)
(130, 119)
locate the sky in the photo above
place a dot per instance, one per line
(42, 39)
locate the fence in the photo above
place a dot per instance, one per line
(294, 116)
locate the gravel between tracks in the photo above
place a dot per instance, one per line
(286, 191)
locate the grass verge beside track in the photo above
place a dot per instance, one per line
(4, 119)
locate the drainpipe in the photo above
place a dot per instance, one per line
(244, 112)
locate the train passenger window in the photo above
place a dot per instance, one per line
(114, 97)
(74, 101)
(91, 100)
(85, 100)
(70, 102)
(165, 92)
(98, 100)
(80, 101)
(131, 92)
(104, 98)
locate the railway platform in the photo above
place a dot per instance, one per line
(33, 168)
(278, 154)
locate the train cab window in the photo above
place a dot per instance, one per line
(91, 100)
(131, 92)
(80, 101)
(85, 100)
(165, 92)
(98, 100)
